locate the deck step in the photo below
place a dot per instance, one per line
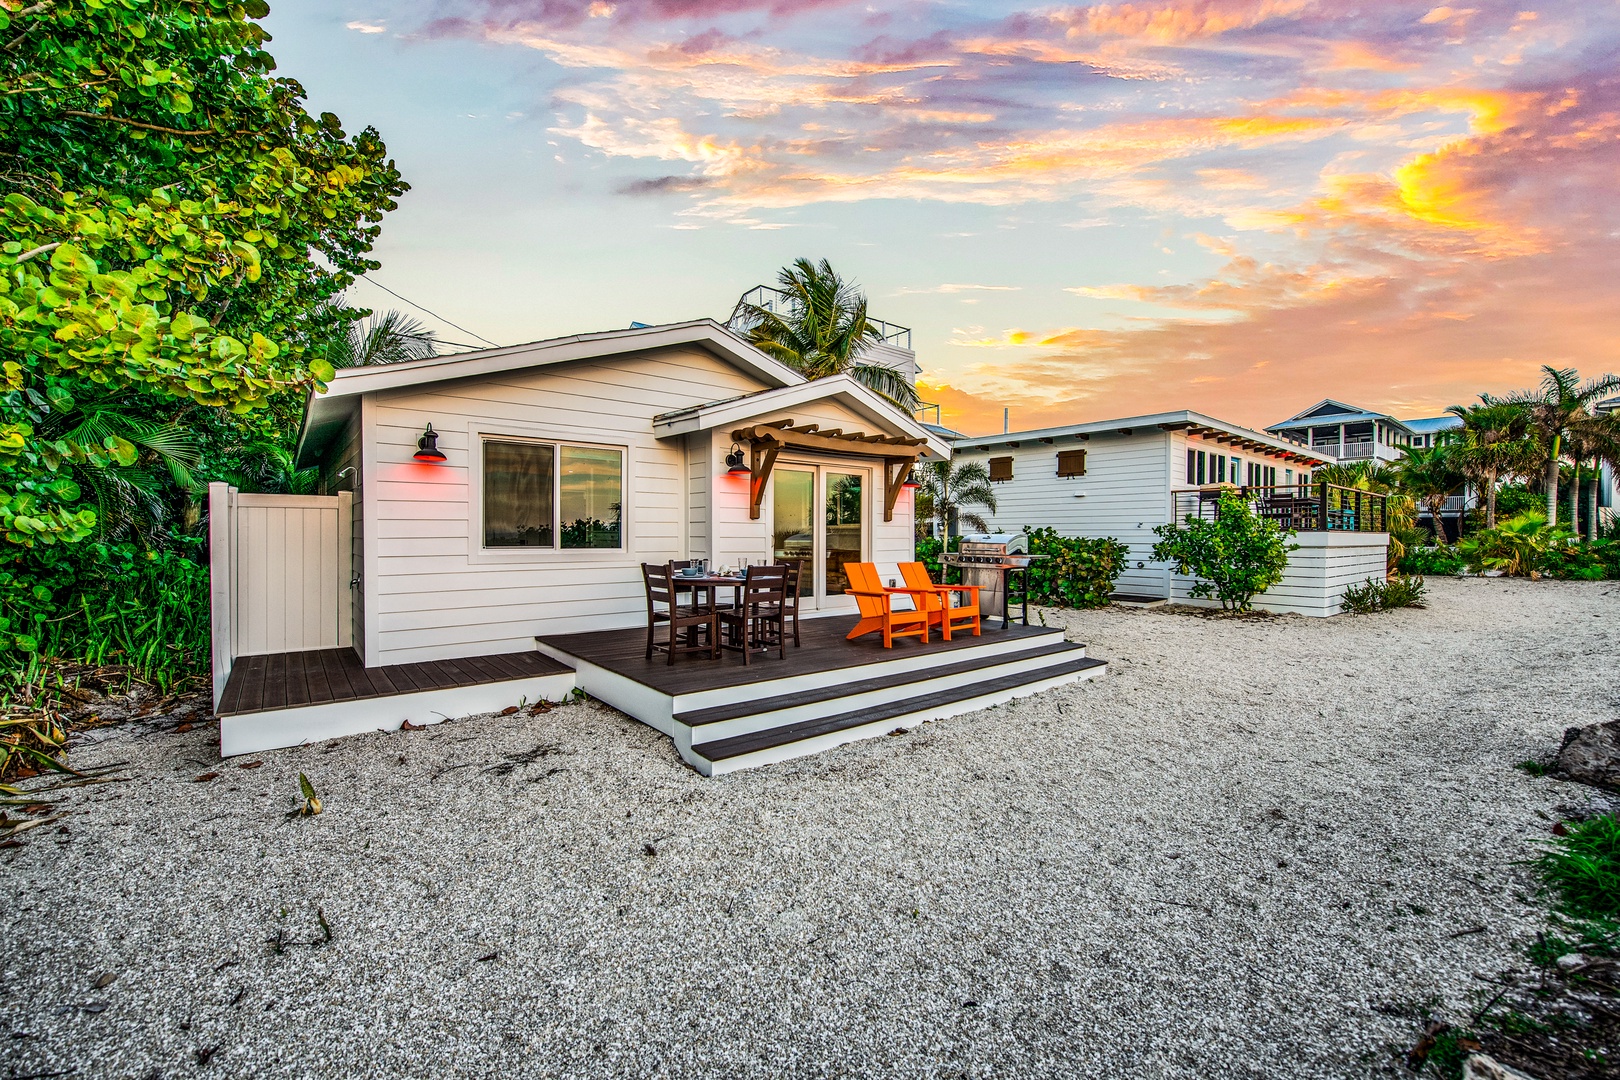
(698, 718)
(754, 743)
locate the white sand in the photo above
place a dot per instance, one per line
(1244, 853)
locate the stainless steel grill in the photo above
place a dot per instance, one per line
(989, 560)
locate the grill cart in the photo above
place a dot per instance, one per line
(989, 560)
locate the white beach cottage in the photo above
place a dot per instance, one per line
(1123, 478)
(476, 502)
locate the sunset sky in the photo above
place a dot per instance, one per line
(1237, 206)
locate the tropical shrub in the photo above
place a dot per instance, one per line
(105, 605)
(1234, 557)
(1433, 561)
(1078, 571)
(1517, 547)
(1582, 562)
(928, 552)
(1375, 595)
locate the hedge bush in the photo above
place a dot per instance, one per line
(1078, 572)
(105, 604)
(1431, 561)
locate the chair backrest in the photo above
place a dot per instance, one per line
(915, 575)
(660, 589)
(864, 577)
(764, 584)
(795, 570)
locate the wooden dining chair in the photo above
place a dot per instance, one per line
(795, 578)
(945, 612)
(682, 619)
(876, 603)
(759, 620)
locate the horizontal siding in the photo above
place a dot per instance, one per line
(436, 593)
(1318, 572)
(1124, 494)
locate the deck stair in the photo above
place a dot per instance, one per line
(724, 717)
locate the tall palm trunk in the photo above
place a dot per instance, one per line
(1490, 499)
(1552, 481)
(1437, 504)
(1591, 489)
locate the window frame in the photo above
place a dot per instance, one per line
(479, 552)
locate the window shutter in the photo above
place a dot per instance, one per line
(1000, 469)
(1071, 463)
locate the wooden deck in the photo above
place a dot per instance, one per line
(824, 648)
(286, 680)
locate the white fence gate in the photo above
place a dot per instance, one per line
(280, 567)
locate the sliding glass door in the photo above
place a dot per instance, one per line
(819, 516)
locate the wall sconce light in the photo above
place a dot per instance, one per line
(910, 484)
(735, 463)
(427, 447)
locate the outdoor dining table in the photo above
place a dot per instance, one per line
(711, 582)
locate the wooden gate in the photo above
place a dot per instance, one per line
(280, 567)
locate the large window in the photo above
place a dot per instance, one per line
(550, 495)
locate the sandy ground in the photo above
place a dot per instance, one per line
(1258, 848)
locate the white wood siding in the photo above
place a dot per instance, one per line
(1125, 494)
(1318, 572)
(438, 593)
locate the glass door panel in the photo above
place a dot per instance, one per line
(845, 506)
(793, 528)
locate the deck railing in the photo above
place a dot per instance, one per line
(780, 303)
(1295, 507)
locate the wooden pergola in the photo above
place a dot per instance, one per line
(765, 441)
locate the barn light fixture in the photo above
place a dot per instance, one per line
(735, 465)
(427, 447)
(910, 484)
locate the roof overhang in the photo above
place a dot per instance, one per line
(325, 414)
(892, 427)
(1195, 423)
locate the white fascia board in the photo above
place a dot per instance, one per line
(1155, 420)
(348, 384)
(759, 406)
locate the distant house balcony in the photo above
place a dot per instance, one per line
(1303, 507)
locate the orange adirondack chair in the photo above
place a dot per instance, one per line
(877, 607)
(943, 611)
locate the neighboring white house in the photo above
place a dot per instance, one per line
(1345, 433)
(1119, 478)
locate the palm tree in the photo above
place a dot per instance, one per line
(389, 338)
(1430, 474)
(1594, 439)
(947, 489)
(1494, 444)
(1400, 512)
(825, 331)
(1562, 401)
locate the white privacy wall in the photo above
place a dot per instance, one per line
(434, 592)
(1319, 570)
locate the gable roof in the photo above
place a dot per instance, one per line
(1185, 418)
(763, 404)
(325, 414)
(1336, 412)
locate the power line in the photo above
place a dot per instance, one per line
(435, 314)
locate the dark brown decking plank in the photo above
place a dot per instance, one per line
(486, 670)
(320, 689)
(253, 683)
(382, 683)
(824, 649)
(337, 680)
(434, 674)
(295, 679)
